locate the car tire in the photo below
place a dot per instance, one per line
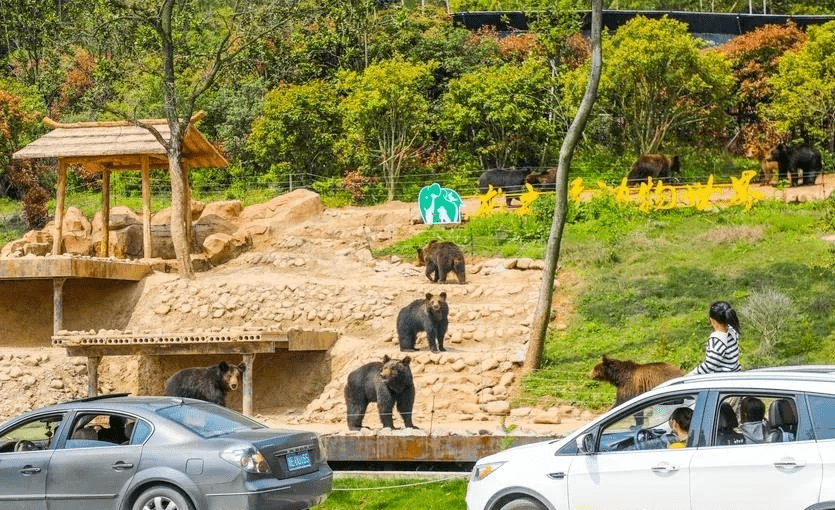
(162, 498)
(523, 504)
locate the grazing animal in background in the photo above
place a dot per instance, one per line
(660, 168)
(388, 383)
(510, 180)
(546, 181)
(440, 258)
(803, 161)
(632, 378)
(768, 167)
(430, 315)
(206, 383)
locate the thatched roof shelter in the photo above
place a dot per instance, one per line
(105, 147)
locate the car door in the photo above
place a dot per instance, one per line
(87, 473)
(23, 472)
(752, 474)
(620, 476)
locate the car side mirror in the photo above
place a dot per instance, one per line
(585, 443)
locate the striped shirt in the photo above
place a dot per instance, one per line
(722, 353)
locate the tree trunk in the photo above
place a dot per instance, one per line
(180, 213)
(539, 326)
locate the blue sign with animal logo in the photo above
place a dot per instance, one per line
(439, 205)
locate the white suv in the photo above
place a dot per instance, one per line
(757, 440)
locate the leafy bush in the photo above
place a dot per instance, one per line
(768, 312)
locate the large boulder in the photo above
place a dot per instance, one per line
(229, 210)
(76, 235)
(125, 234)
(220, 248)
(263, 222)
(163, 217)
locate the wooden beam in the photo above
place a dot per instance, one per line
(105, 213)
(59, 207)
(237, 347)
(146, 207)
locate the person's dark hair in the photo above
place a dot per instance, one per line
(752, 409)
(723, 312)
(682, 416)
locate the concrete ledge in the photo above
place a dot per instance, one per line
(71, 267)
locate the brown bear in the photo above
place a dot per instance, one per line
(205, 383)
(546, 181)
(388, 383)
(440, 258)
(632, 378)
(430, 315)
(509, 180)
(660, 168)
(768, 167)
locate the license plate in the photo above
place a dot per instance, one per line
(298, 461)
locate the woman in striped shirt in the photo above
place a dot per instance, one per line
(722, 351)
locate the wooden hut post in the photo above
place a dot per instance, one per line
(92, 375)
(146, 207)
(59, 207)
(105, 213)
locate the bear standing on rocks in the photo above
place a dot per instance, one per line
(387, 383)
(430, 315)
(205, 383)
(440, 258)
(631, 378)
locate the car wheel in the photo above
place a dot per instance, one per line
(162, 498)
(523, 504)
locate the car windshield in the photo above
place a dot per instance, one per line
(209, 420)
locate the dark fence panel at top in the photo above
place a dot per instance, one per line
(714, 26)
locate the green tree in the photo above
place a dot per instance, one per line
(804, 88)
(754, 57)
(191, 43)
(498, 115)
(295, 134)
(653, 89)
(386, 116)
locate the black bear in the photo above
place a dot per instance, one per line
(546, 181)
(804, 160)
(660, 168)
(632, 378)
(430, 315)
(205, 383)
(510, 180)
(388, 383)
(440, 258)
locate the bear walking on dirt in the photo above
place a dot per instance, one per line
(429, 315)
(205, 383)
(440, 258)
(388, 383)
(632, 378)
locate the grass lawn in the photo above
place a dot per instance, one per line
(392, 493)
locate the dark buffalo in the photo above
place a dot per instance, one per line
(660, 168)
(510, 180)
(804, 160)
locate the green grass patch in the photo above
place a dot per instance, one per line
(387, 493)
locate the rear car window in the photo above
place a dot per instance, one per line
(209, 420)
(823, 416)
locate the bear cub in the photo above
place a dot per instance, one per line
(442, 257)
(205, 383)
(632, 379)
(429, 315)
(388, 383)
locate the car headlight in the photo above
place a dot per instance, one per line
(482, 471)
(249, 459)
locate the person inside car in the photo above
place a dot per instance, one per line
(679, 423)
(753, 426)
